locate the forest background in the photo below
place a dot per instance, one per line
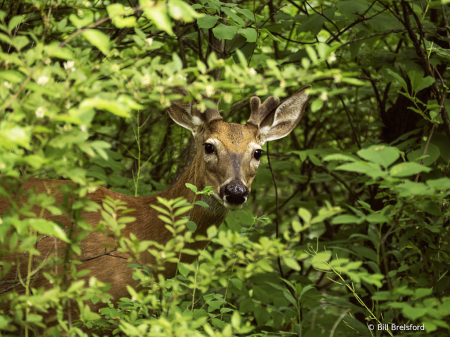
(346, 225)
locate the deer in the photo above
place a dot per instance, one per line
(227, 158)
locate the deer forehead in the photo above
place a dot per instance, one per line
(233, 137)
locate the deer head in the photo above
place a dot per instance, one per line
(228, 154)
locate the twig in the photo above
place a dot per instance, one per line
(356, 22)
(325, 17)
(181, 44)
(350, 121)
(106, 253)
(425, 151)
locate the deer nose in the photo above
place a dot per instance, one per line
(235, 192)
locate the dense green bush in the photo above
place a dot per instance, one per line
(354, 232)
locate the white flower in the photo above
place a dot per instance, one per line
(323, 96)
(68, 105)
(337, 78)
(332, 58)
(91, 189)
(7, 84)
(165, 102)
(80, 12)
(177, 12)
(149, 41)
(209, 90)
(252, 71)
(201, 106)
(115, 68)
(228, 98)
(145, 80)
(69, 65)
(83, 128)
(42, 80)
(40, 112)
(48, 61)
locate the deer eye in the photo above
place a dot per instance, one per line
(209, 148)
(257, 154)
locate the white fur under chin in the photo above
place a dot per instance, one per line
(232, 207)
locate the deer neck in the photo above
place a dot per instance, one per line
(203, 217)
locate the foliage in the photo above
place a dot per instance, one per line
(354, 233)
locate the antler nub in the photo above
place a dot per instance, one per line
(258, 111)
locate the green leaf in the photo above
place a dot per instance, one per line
(116, 12)
(340, 156)
(291, 263)
(182, 269)
(432, 155)
(211, 231)
(98, 39)
(88, 315)
(370, 169)
(351, 9)
(86, 20)
(158, 14)
(33, 318)
(262, 315)
(114, 107)
(440, 184)
(319, 260)
(14, 22)
(207, 21)
(248, 14)
(233, 15)
(429, 207)
(376, 218)
(20, 41)
(223, 32)
(346, 219)
(426, 82)
(191, 187)
(55, 51)
(407, 169)
(399, 79)
(192, 226)
(237, 283)
(383, 155)
(317, 104)
(181, 10)
(304, 214)
(421, 292)
(249, 33)
(5, 39)
(43, 226)
(12, 76)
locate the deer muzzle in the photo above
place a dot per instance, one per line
(234, 193)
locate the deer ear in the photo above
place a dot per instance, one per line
(184, 114)
(282, 120)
